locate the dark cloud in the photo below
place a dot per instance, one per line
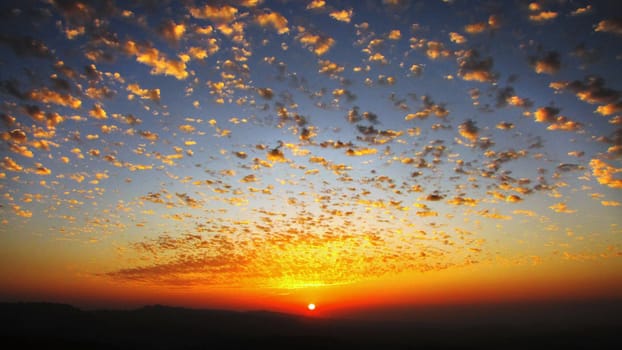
(473, 68)
(613, 26)
(26, 46)
(549, 63)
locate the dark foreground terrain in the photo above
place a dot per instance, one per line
(51, 326)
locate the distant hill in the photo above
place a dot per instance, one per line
(46, 325)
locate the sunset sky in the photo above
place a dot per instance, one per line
(269, 154)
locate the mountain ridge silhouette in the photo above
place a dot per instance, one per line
(51, 325)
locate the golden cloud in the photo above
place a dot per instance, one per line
(274, 19)
(342, 15)
(159, 63)
(217, 14)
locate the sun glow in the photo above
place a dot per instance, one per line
(311, 307)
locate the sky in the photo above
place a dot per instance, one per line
(258, 154)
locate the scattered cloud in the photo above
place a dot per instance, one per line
(342, 15)
(550, 63)
(317, 43)
(472, 68)
(273, 19)
(613, 26)
(217, 14)
(159, 63)
(236, 145)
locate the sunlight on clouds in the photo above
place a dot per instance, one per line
(291, 145)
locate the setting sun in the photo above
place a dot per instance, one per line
(311, 307)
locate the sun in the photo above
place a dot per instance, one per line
(311, 307)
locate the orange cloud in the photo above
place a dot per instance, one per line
(609, 109)
(159, 63)
(613, 26)
(46, 95)
(436, 49)
(98, 112)
(543, 16)
(150, 94)
(395, 34)
(319, 44)
(469, 130)
(605, 173)
(217, 14)
(9, 164)
(172, 31)
(274, 19)
(472, 68)
(342, 16)
(562, 208)
(476, 28)
(546, 114)
(316, 4)
(548, 64)
(457, 38)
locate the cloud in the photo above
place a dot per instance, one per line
(342, 15)
(46, 95)
(613, 26)
(361, 152)
(395, 34)
(494, 22)
(457, 38)
(189, 201)
(542, 16)
(317, 43)
(564, 124)
(476, 28)
(507, 96)
(265, 93)
(171, 31)
(469, 130)
(26, 46)
(273, 19)
(15, 136)
(148, 135)
(40, 170)
(546, 114)
(604, 173)
(276, 155)
(316, 4)
(187, 128)
(561, 208)
(329, 67)
(159, 63)
(9, 164)
(505, 126)
(609, 109)
(149, 94)
(472, 68)
(436, 49)
(591, 90)
(98, 112)
(217, 14)
(463, 201)
(416, 69)
(550, 63)
(582, 10)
